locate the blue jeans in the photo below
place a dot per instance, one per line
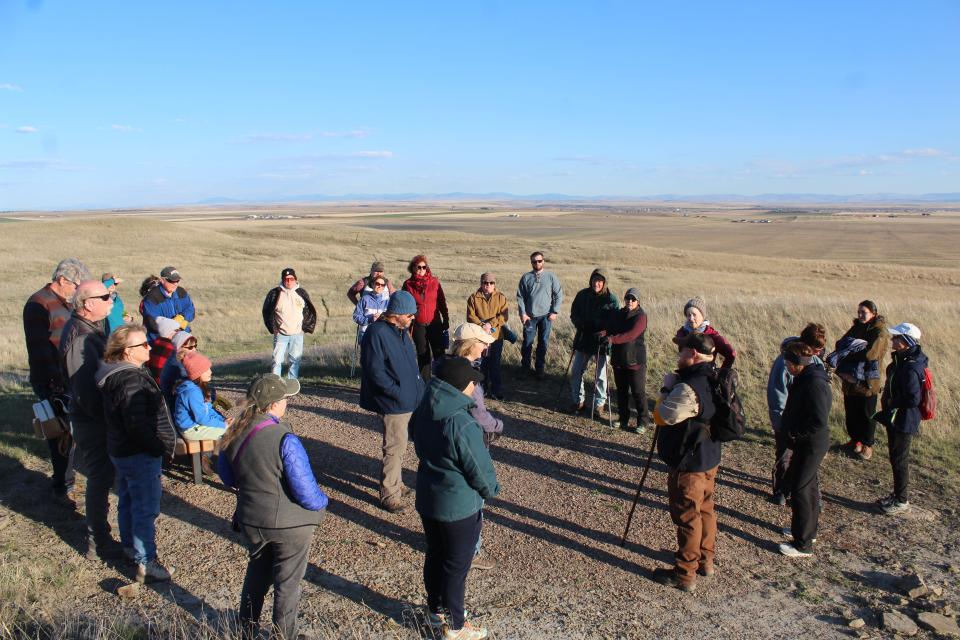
(138, 490)
(287, 347)
(490, 368)
(539, 327)
(580, 362)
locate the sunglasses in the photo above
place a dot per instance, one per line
(379, 284)
(537, 261)
(629, 299)
(142, 344)
(489, 282)
(104, 297)
(421, 267)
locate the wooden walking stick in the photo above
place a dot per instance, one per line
(643, 477)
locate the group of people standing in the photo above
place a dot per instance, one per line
(129, 391)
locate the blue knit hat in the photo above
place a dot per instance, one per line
(401, 304)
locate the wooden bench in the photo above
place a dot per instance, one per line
(194, 448)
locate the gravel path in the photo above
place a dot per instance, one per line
(567, 485)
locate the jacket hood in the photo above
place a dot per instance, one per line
(601, 273)
(107, 369)
(446, 400)
(786, 341)
(814, 370)
(913, 354)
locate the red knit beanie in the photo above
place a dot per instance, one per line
(196, 364)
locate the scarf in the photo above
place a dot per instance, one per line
(419, 283)
(689, 328)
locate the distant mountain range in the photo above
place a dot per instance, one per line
(764, 198)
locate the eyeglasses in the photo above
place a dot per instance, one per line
(537, 261)
(489, 282)
(142, 344)
(104, 297)
(421, 267)
(379, 284)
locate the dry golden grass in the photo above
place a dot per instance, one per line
(754, 299)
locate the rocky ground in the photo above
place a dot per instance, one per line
(567, 485)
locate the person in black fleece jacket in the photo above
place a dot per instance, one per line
(805, 422)
(139, 435)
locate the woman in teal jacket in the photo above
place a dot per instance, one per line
(454, 477)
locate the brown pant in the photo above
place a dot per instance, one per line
(395, 426)
(691, 508)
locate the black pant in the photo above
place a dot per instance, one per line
(899, 445)
(277, 557)
(631, 382)
(93, 460)
(428, 339)
(861, 427)
(63, 475)
(781, 482)
(450, 549)
(805, 489)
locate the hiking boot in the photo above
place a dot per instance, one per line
(788, 533)
(435, 621)
(153, 571)
(576, 407)
(130, 555)
(468, 632)
(483, 563)
(207, 466)
(629, 429)
(865, 452)
(896, 508)
(857, 447)
(787, 549)
(886, 501)
(600, 412)
(707, 570)
(103, 548)
(64, 498)
(669, 578)
(778, 499)
(393, 506)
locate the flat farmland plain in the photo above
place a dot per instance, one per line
(567, 482)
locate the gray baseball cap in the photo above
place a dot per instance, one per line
(268, 388)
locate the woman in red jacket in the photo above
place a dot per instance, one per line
(695, 311)
(432, 317)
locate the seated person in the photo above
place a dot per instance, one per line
(194, 414)
(173, 371)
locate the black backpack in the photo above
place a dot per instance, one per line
(728, 422)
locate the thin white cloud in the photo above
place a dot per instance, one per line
(302, 137)
(27, 129)
(125, 128)
(8, 86)
(31, 165)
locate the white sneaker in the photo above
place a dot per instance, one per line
(788, 533)
(468, 632)
(153, 571)
(896, 508)
(791, 551)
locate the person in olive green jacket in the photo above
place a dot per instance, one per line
(454, 477)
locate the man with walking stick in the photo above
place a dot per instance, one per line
(685, 444)
(589, 312)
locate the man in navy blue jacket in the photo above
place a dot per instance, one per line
(169, 300)
(392, 387)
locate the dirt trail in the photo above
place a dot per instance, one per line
(554, 530)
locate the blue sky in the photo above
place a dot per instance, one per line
(129, 103)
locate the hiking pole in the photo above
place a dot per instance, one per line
(643, 477)
(356, 353)
(566, 372)
(596, 381)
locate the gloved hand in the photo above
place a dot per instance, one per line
(181, 321)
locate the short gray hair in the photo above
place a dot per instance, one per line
(71, 269)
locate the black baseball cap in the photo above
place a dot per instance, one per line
(458, 372)
(288, 272)
(268, 388)
(170, 274)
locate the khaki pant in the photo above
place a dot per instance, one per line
(691, 508)
(395, 428)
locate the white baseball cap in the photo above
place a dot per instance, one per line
(906, 329)
(469, 330)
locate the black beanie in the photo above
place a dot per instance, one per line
(458, 372)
